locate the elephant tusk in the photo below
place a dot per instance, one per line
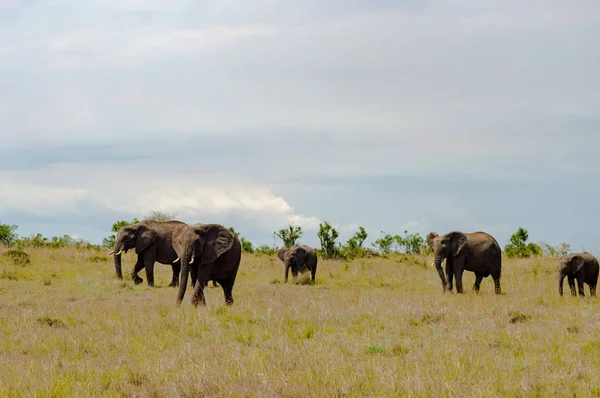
(118, 253)
(177, 259)
(192, 260)
(110, 252)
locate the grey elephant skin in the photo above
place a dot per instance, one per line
(477, 252)
(580, 267)
(207, 252)
(300, 258)
(152, 241)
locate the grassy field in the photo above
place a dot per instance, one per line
(368, 328)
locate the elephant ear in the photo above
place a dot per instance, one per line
(217, 240)
(144, 238)
(300, 254)
(576, 263)
(281, 252)
(459, 241)
(430, 237)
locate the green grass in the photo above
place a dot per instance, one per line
(372, 327)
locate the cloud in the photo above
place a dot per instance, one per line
(393, 115)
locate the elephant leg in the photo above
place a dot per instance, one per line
(458, 272)
(449, 273)
(198, 296)
(497, 288)
(203, 275)
(176, 270)
(149, 259)
(139, 265)
(313, 272)
(478, 279)
(227, 289)
(579, 280)
(287, 270)
(571, 280)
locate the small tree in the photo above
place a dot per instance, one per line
(518, 246)
(356, 242)
(411, 243)
(290, 235)
(555, 251)
(354, 246)
(8, 234)
(384, 243)
(327, 235)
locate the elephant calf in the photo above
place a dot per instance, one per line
(300, 258)
(582, 267)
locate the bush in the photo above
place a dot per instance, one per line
(354, 246)
(8, 234)
(412, 244)
(518, 246)
(265, 249)
(18, 257)
(327, 235)
(384, 244)
(555, 251)
(55, 242)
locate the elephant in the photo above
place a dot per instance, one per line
(152, 241)
(477, 252)
(300, 258)
(207, 252)
(582, 267)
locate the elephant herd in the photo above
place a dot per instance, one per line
(204, 251)
(213, 252)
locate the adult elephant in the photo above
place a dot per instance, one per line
(152, 241)
(582, 267)
(477, 252)
(207, 252)
(300, 258)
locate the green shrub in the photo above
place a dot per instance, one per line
(17, 257)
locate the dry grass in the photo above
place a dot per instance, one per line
(368, 328)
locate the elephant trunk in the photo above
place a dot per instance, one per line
(438, 266)
(185, 259)
(117, 259)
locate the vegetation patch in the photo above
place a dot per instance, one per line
(427, 319)
(518, 317)
(17, 257)
(52, 322)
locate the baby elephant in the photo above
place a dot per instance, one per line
(300, 258)
(580, 266)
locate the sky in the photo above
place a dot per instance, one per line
(434, 115)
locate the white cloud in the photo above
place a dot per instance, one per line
(193, 197)
(270, 91)
(37, 199)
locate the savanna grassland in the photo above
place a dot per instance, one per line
(368, 328)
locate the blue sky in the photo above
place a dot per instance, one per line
(422, 115)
